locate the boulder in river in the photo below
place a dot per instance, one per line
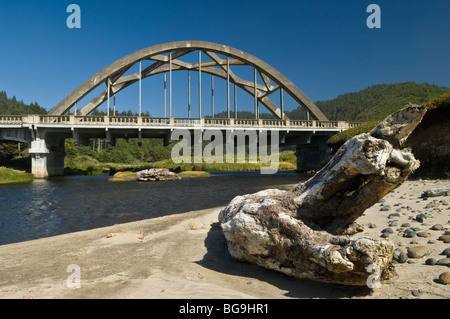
(156, 175)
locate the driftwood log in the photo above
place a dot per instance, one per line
(437, 191)
(306, 232)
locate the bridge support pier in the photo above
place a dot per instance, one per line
(47, 155)
(310, 155)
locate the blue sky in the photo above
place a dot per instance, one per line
(324, 47)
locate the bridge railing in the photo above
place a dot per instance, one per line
(301, 123)
(217, 122)
(245, 122)
(11, 119)
(170, 121)
(353, 124)
(52, 119)
(155, 120)
(184, 121)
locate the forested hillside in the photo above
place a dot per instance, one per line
(11, 106)
(378, 101)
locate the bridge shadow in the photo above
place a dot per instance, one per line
(218, 259)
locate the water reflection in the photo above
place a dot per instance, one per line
(66, 204)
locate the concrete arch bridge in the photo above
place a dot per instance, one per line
(267, 87)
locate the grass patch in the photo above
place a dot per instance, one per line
(194, 174)
(440, 101)
(83, 165)
(123, 176)
(339, 139)
(287, 162)
(8, 175)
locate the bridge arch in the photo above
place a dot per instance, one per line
(165, 58)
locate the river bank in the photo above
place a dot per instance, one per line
(11, 176)
(185, 256)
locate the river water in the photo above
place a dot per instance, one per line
(60, 205)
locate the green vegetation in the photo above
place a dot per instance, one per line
(123, 176)
(194, 174)
(8, 175)
(337, 140)
(11, 106)
(440, 101)
(375, 102)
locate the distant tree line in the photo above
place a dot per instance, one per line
(11, 106)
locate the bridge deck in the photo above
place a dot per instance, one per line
(9, 121)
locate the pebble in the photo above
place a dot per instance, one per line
(385, 208)
(409, 233)
(445, 238)
(443, 261)
(402, 257)
(431, 241)
(420, 218)
(393, 223)
(423, 234)
(437, 227)
(406, 225)
(371, 225)
(445, 252)
(388, 230)
(444, 278)
(416, 293)
(430, 261)
(417, 251)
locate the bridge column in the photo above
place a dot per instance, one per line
(311, 155)
(47, 156)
